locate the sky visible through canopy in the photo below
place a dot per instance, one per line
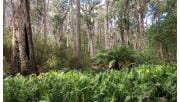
(91, 0)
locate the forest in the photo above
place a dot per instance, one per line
(89, 50)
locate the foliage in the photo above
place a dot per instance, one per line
(146, 82)
(147, 56)
(47, 55)
(54, 56)
(164, 31)
(124, 56)
(52, 62)
(7, 48)
(163, 34)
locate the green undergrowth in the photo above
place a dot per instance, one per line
(146, 83)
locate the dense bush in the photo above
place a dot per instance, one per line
(147, 56)
(162, 35)
(124, 57)
(147, 83)
(51, 55)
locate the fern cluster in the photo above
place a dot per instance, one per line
(146, 83)
(124, 57)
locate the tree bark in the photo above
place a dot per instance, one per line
(71, 24)
(78, 34)
(126, 21)
(15, 51)
(90, 42)
(140, 11)
(141, 22)
(90, 27)
(106, 26)
(45, 20)
(4, 15)
(121, 30)
(22, 38)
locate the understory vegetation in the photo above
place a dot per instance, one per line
(146, 83)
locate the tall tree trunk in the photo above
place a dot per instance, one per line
(100, 35)
(78, 34)
(140, 12)
(4, 15)
(111, 37)
(141, 22)
(121, 30)
(40, 19)
(158, 10)
(15, 51)
(90, 42)
(127, 23)
(71, 22)
(22, 37)
(106, 26)
(45, 21)
(122, 37)
(161, 51)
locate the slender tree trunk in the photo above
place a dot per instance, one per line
(141, 22)
(127, 22)
(111, 37)
(78, 34)
(106, 26)
(140, 12)
(161, 50)
(158, 10)
(22, 37)
(45, 21)
(90, 42)
(67, 40)
(40, 19)
(72, 25)
(100, 35)
(121, 30)
(4, 14)
(167, 53)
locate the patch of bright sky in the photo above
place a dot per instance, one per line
(85, 1)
